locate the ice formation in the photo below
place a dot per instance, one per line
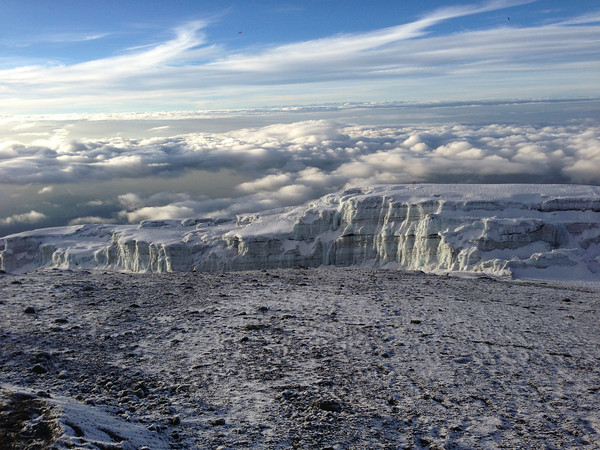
(531, 231)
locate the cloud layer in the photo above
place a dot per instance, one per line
(285, 164)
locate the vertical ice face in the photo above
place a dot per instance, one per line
(546, 231)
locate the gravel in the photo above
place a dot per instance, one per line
(319, 358)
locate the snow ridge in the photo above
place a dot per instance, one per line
(530, 231)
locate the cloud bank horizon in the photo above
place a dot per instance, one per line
(57, 178)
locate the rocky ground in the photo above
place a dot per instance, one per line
(324, 358)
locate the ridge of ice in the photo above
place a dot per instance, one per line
(530, 231)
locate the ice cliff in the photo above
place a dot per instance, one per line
(538, 231)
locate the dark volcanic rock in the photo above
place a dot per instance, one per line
(328, 405)
(39, 369)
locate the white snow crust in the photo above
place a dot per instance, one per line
(70, 420)
(515, 230)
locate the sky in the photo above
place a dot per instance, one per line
(119, 111)
(123, 55)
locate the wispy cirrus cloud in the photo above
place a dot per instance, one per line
(403, 62)
(114, 68)
(351, 47)
(54, 38)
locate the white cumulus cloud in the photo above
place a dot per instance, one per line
(30, 217)
(91, 219)
(287, 164)
(277, 155)
(46, 190)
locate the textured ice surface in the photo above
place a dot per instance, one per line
(532, 231)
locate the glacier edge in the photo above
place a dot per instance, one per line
(529, 231)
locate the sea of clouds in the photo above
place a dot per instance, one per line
(60, 179)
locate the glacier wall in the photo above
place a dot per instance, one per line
(537, 231)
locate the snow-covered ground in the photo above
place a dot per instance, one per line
(307, 358)
(515, 230)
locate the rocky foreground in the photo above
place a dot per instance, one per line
(318, 358)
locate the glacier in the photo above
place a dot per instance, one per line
(508, 230)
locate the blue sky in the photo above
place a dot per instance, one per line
(82, 56)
